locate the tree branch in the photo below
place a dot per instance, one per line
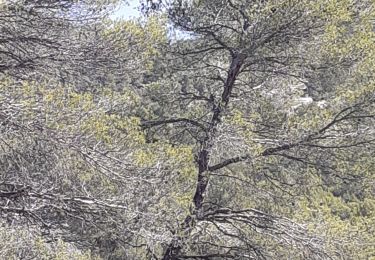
(150, 124)
(245, 157)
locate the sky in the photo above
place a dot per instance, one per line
(128, 11)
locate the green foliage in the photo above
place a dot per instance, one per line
(19, 243)
(250, 137)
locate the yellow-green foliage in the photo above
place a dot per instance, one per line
(344, 212)
(350, 34)
(179, 161)
(179, 158)
(246, 129)
(65, 110)
(17, 243)
(146, 36)
(349, 225)
(312, 120)
(74, 118)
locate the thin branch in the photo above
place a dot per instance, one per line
(150, 124)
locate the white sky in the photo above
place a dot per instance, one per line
(128, 11)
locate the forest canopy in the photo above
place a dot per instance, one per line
(220, 129)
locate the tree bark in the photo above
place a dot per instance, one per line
(175, 247)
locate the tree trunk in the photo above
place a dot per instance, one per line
(175, 247)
